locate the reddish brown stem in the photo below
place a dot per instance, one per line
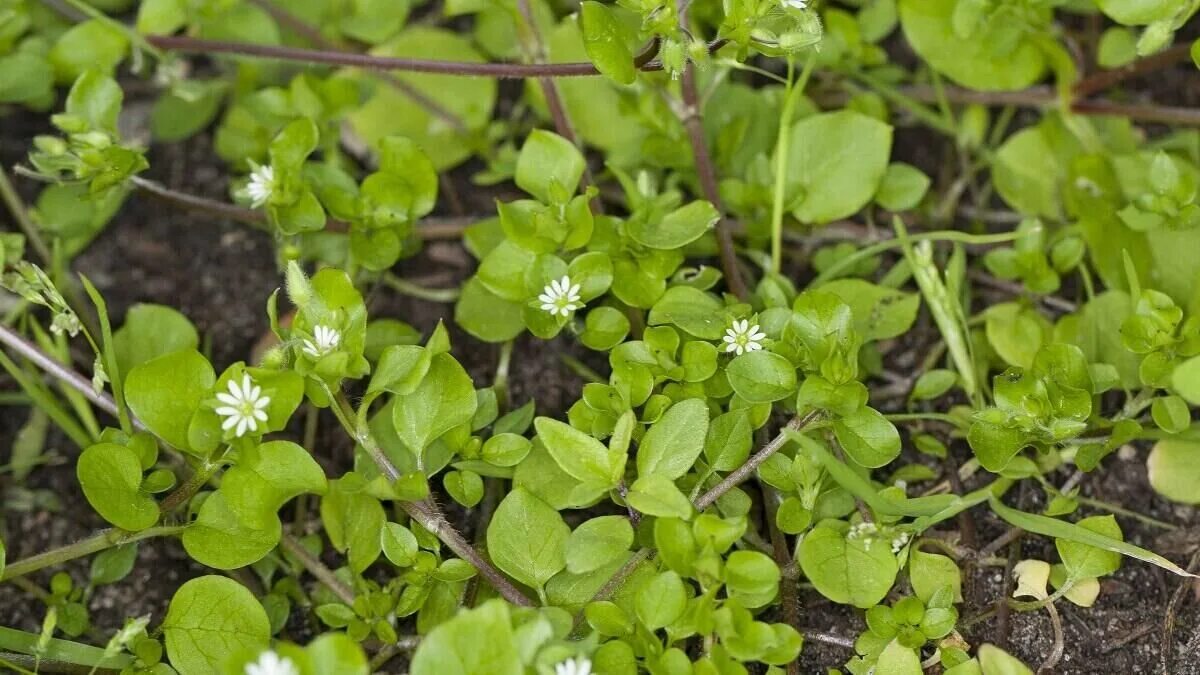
(314, 37)
(707, 175)
(182, 43)
(1105, 79)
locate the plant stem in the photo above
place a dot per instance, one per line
(425, 513)
(314, 36)
(530, 38)
(782, 155)
(783, 558)
(706, 500)
(52, 367)
(707, 175)
(744, 471)
(20, 214)
(100, 541)
(256, 219)
(893, 243)
(406, 287)
(1105, 79)
(180, 43)
(317, 569)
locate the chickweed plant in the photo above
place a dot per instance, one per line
(812, 373)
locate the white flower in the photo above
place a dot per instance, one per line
(244, 406)
(270, 663)
(325, 340)
(796, 4)
(742, 337)
(579, 666)
(899, 542)
(560, 297)
(262, 182)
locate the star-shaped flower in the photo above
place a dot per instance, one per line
(741, 337)
(325, 340)
(560, 297)
(262, 183)
(244, 406)
(577, 666)
(270, 663)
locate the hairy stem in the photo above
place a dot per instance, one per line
(52, 367)
(425, 513)
(100, 541)
(706, 500)
(743, 472)
(317, 569)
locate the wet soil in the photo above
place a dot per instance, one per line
(220, 275)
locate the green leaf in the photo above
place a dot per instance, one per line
(729, 439)
(879, 312)
(673, 443)
(676, 229)
(113, 565)
(762, 377)
(268, 476)
(896, 659)
(598, 542)
(111, 476)
(1086, 562)
(219, 539)
(527, 538)
(1138, 12)
(454, 647)
(661, 600)
(933, 384)
(93, 45)
(151, 331)
(930, 572)
(604, 38)
(984, 56)
(1016, 332)
(1186, 380)
(583, 457)
(604, 328)
(996, 661)
(1171, 414)
(444, 400)
(1174, 469)
(161, 17)
(353, 520)
(835, 164)
(165, 392)
(847, 570)
(657, 495)
(209, 619)
(389, 112)
(401, 369)
(486, 315)
(399, 544)
(868, 437)
(692, 310)
(752, 578)
(902, 188)
(1051, 527)
(548, 165)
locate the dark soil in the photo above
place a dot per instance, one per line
(220, 275)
